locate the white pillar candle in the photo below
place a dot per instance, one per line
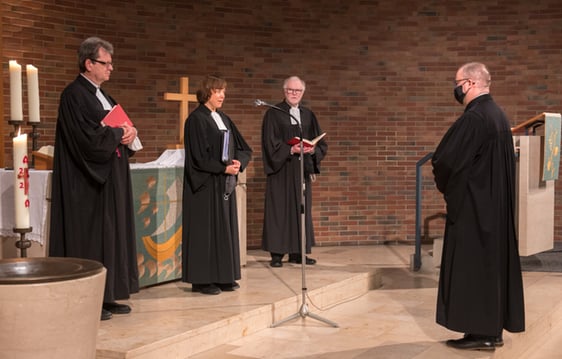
(15, 92)
(21, 182)
(33, 93)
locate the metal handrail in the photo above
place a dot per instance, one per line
(532, 123)
(417, 254)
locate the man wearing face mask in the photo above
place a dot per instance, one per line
(480, 285)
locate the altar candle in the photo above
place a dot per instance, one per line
(15, 91)
(33, 93)
(21, 182)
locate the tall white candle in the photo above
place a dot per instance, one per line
(33, 93)
(15, 92)
(21, 182)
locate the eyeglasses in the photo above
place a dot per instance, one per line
(294, 91)
(104, 63)
(456, 82)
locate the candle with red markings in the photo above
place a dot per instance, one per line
(21, 182)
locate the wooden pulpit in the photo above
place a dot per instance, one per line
(537, 169)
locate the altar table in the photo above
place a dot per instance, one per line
(157, 202)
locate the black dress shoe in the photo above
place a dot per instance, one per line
(473, 342)
(498, 341)
(106, 314)
(228, 287)
(117, 308)
(276, 263)
(298, 260)
(206, 289)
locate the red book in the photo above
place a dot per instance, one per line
(116, 117)
(306, 143)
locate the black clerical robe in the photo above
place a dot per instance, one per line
(210, 246)
(480, 284)
(282, 215)
(91, 200)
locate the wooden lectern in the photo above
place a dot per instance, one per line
(537, 168)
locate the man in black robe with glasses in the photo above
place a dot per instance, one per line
(91, 207)
(281, 162)
(480, 283)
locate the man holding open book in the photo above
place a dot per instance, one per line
(281, 161)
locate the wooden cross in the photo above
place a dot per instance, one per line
(184, 97)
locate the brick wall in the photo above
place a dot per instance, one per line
(378, 76)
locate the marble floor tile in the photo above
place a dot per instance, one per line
(390, 314)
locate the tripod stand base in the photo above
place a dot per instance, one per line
(304, 312)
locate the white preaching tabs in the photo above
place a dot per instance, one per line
(218, 121)
(106, 105)
(295, 114)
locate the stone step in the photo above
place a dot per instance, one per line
(380, 305)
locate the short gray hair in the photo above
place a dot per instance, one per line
(89, 49)
(477, 71)
(294, 78)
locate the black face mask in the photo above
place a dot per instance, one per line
(459, 95)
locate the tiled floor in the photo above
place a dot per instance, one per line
(393, 321)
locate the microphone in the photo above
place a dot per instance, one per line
(259, 102)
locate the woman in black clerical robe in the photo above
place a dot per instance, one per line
(215, 152)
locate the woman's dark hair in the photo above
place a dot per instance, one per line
(207, 86)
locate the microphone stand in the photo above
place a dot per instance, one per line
(303, 311)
